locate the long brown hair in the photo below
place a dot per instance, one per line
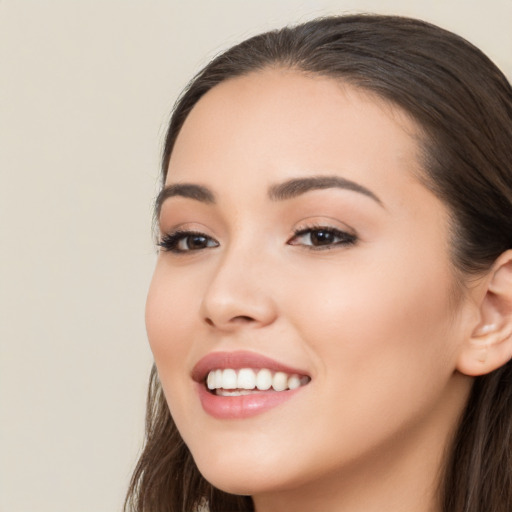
(463, 104)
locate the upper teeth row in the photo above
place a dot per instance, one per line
(247, 378)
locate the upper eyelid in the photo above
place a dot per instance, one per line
(306, 227)
(325, 224)
(329, 229)
(300, 228)
(322, 227)
(169, 242)
(183, 227)
(185, 232)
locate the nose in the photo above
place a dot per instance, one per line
(239, 294)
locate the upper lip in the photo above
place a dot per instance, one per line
(237, 360)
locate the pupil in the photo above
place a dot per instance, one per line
(321, 237)
(196, 241)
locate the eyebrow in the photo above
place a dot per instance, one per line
(296, 187)
(189, 190)
(279, 192)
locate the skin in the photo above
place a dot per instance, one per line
(378, 324)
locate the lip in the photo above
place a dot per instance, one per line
(237, 360)
(245, 406)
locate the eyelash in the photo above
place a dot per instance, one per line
(345, 239)
(170, 242)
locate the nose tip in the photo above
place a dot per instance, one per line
(231, 303)
(235, 315)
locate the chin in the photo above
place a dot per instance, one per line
(242, 477)
(234, 482)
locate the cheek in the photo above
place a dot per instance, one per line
(382, 356)
(170, 329)
(162, 311)
(170, 302)
(171, 334)
(367, 327)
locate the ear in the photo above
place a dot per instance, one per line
(490, 344)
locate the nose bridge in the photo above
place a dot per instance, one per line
(240, 288)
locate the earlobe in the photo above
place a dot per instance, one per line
(489, 345)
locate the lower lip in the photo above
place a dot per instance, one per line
(244, 406)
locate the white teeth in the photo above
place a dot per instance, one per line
(218, 379)
(246, 379)
(210, 381)
(280, 381)
(264, 379)
(234, 392)
(231, 382)
(229, 379)
(294, 382)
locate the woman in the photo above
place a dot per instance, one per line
(331, 310)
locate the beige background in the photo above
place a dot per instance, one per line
(85, 92)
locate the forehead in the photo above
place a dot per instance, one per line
(286, 122)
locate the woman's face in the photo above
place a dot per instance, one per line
(298, 240)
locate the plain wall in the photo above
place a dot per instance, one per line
(86, 88)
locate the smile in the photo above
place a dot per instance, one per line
(231, 382)
(241, 384)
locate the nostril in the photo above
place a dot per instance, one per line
(242, 319)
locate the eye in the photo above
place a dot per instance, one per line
(322, 237)
(186, 241)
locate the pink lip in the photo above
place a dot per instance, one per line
(237, 360)
(239, 407)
